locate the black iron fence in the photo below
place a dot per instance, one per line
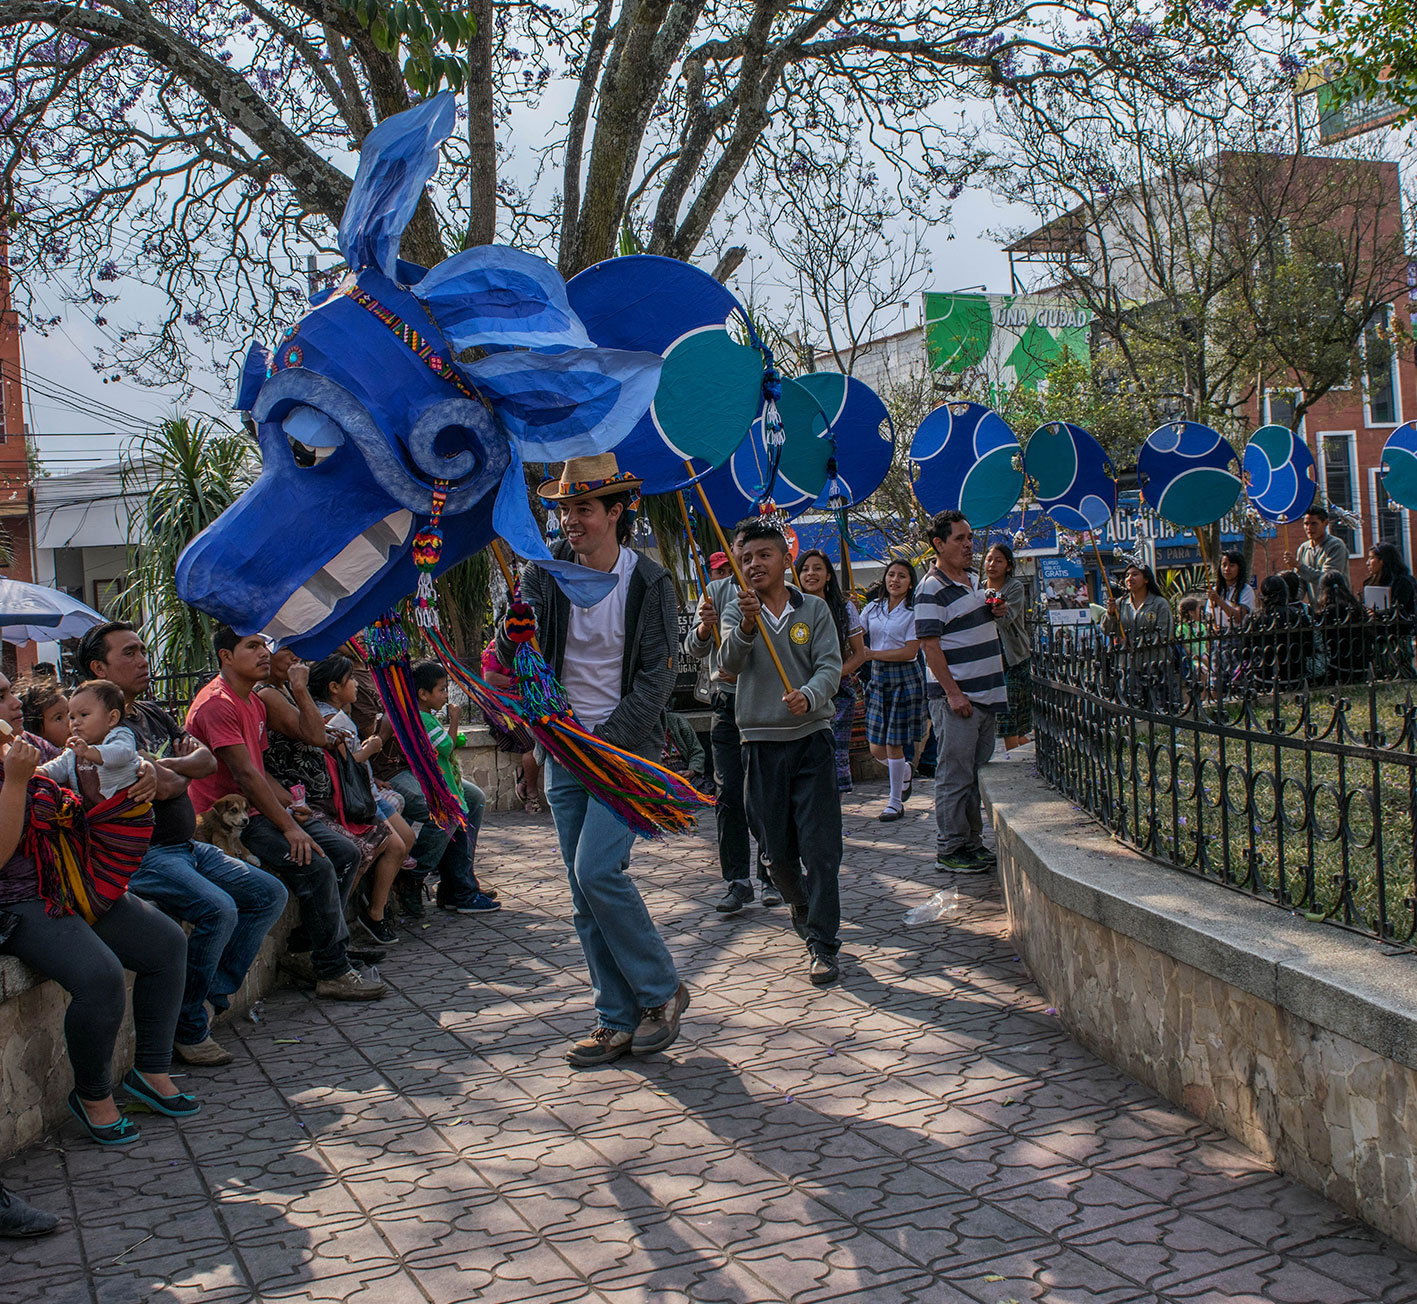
(1279, 760)
(174, 693)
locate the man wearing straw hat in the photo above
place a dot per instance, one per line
(616, 661)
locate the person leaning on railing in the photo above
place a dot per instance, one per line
(1143, 629)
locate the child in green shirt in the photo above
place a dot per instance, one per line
(458, 889)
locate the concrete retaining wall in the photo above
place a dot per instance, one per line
(1297, 1039)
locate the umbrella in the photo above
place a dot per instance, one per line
(710, 387)
(1399, 466)
(967, 460)
(1189, 474)
(1279, 474)
(31, 613)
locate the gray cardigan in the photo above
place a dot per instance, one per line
(722, 592)
(810, 649)
(651, 631)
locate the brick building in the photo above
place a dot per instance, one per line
(16, 495)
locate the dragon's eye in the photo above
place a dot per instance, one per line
(311, 434)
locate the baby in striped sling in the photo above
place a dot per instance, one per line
(99, 764)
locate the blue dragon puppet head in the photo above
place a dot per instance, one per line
(363, 414)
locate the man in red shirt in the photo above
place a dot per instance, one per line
(290, 840)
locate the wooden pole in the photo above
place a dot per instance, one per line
(1102, 573)
(738, 576)
(507, 575)
(845, 554)
(694, 553)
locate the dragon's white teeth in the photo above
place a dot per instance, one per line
(345, 573)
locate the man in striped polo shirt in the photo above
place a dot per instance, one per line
(966, 687)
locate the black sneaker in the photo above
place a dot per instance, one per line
(367, 954)
(734, 899)
(823, 970)
(409, 890)
(379, 929)
(20, 1219)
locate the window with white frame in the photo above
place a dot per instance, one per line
(1338, 468)
(1380, 382)
(1389, 519)
(1279, 405)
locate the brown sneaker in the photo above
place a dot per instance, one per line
(208, 1053)
(660, 1025)
(350, 986)
(600, 1047)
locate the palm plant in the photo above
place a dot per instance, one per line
(185, 473)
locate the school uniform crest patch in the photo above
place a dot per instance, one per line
(799, 633)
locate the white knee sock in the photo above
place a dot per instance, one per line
(899, 769)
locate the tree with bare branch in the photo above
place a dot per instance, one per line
(206, 147)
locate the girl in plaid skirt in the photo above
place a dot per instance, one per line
(895, 700)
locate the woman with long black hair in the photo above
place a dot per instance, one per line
(1229, 604)
(817, 575)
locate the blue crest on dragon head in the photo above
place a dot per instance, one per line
(362, 412)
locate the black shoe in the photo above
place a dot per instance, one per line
(145, 1096)
(907, 790)
(734, 899)
(890, 813)
(409, 889)
(20, 1219)
(823, 970)
(379, 929)
(799, 920)
(367, 954)
(771, 896)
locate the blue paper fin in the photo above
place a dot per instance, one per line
(574, 404)
(493, 295)
(258, 366)
(397, 160)
(512, 519)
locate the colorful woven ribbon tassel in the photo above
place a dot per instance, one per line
(387, 653)
(648, 798)
(427, 551)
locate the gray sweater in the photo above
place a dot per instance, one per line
(722, 592)
(810, 650)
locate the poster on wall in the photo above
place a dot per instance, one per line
(1007, 341)
(1063, 589)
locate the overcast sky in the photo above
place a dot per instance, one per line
(71, 438)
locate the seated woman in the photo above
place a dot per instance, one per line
(1279, 639)
(385, 841)
(88, 960)
(1343, 628)
(1392, 645)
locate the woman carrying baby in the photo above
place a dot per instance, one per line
(70, 933)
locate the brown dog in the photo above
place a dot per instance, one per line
(221, 826)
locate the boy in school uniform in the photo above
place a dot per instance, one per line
(789, 757)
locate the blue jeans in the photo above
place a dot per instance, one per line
(433, 849)
(231, 906)
(629, 964)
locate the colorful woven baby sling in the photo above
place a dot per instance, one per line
(84, 859)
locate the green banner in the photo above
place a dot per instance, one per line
(1010, 339)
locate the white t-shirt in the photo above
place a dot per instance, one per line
(1223, 619)
(888, 630)
(595, 649)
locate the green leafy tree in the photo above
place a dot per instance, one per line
(185, 473)
(1369, 46)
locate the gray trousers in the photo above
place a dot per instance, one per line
(965, 743)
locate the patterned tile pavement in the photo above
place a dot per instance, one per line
(926, 1131)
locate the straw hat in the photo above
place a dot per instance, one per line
(589, 477)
